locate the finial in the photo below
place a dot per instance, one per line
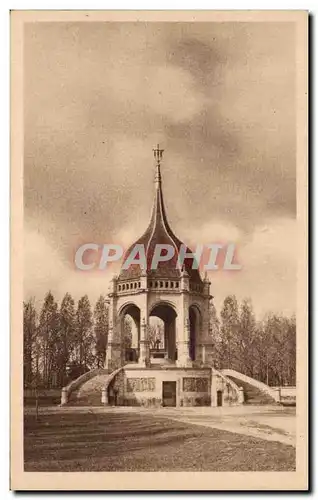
(184, 272)
(157, 152)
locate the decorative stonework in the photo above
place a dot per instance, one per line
(141, 384)
(195, 384)
(172, 290)
(196, 401)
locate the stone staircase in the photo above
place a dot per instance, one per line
(89, 393)
(252, 395)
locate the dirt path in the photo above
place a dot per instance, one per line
(270, 423)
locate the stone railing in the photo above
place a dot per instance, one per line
(112, 375)
(75, 384)
(287, 391)
(271, 391)
(235, 387)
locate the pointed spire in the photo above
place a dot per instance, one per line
(157, 152)
(159, 232)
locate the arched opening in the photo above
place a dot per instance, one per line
(130, 332)
(156, 333)
(195, 321)
(163, 319)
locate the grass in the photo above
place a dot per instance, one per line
(46, 397)
(132, 442)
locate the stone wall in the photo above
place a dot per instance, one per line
(143, 387)
(230, 391)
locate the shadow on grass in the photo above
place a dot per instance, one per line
(93, 442)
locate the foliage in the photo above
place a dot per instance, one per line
(100, 330)
(67, 333)
(84, 333)
(61, 343)
(264, 350)
(29, 339)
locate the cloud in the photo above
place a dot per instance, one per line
(219, 97)
(269, 267)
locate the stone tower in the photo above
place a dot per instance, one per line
(177, 295)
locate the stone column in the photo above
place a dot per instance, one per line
(64, 396)
(144, 355)
(277, 394)
(206, 335)
(183, 323)
(104, 397)
(114, 354)
(241, 396)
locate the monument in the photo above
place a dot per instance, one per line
(180, 373)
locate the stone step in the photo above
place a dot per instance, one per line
(253, 395)
(89, 394)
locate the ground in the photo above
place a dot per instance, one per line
(127, 440)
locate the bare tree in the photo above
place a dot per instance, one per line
(29, 339)
(84, 340)
(66, 336)
(48, 340)
(100, 330)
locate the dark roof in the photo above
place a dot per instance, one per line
(159, 232)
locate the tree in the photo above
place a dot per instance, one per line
(66, 337)
(48, 340)
(29, 338)
(156, 333)
(214, 327)
(289, 353)
(84, 334)
(127, 331)
(245, 354)
(100, 330)
(229, 331)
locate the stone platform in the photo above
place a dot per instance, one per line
(168, 385)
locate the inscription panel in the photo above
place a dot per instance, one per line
(195, 384)
(141, 384)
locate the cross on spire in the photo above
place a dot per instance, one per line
(158, 154)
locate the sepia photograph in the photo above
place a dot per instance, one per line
(159, 235)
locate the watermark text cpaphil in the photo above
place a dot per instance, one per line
(205, 257)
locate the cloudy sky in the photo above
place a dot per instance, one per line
(218, 97)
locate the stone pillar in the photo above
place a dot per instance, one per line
(206, 285)
(241, 396)
(104, 398)
(143, 280)
(183, 323)
(144, 355)
(277, 394)
(206, 333)
(208, 349)
(64, 396)
(203, 359)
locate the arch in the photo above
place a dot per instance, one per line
(129, 330)
(166, 312)
(126, 305)
(168, 303)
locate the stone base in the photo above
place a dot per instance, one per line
(169, 386)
